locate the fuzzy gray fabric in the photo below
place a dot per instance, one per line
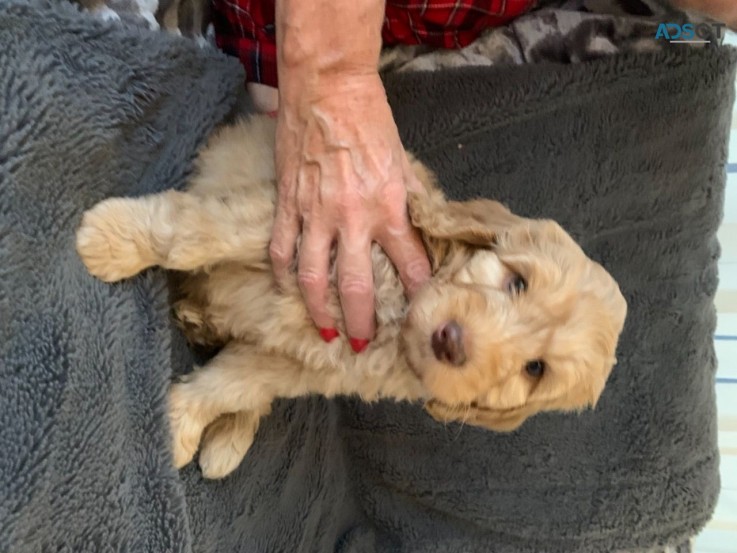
(90, 112)
(562, 31)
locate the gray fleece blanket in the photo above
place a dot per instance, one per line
(89, 111)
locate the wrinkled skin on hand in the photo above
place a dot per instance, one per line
(724, 11)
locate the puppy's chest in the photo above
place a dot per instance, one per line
(390, 302)
(246, 302)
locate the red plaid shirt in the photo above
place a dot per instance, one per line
(245, 28)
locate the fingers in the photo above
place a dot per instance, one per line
(356, 288)
(283, 241)
(313, 277)
(402, 242)
(287, 220)
(407, 252)
(286, 229)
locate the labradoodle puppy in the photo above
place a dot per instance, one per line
(515, 320)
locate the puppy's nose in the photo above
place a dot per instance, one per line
(447, 344)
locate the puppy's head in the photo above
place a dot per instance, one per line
(516, 319)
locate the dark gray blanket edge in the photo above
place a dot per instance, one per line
(89, 110)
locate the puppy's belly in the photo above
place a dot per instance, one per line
(244, 305)
(243, 300)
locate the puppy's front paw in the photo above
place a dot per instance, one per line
(190, 317)
(111, 242)
(186, 427)
(226, 443)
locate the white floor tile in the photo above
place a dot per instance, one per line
(730, 194)
(726, 351)
(727, 406)
(727, 275)
(715, 541)
(728, 468)
(726, 324)
(731, 38)
(728, 241)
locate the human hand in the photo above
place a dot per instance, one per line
(343, 177)
(723, 11)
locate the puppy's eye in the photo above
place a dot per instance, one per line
(535, 368)
(516, 285)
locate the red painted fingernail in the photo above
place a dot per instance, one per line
(272, 114)
(328, 334)
(358, 344)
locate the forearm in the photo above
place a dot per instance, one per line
(724, 11)
(319, 39)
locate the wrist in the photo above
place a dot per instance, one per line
(326, 41)
(349, 86)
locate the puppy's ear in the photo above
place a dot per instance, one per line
(475, 222)
(500, 423)
(496, 421)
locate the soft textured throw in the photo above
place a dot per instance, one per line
(90, 111)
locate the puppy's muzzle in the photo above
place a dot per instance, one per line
(447, 344)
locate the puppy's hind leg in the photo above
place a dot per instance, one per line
(239, 378)
(120, 237)
(226, 442)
